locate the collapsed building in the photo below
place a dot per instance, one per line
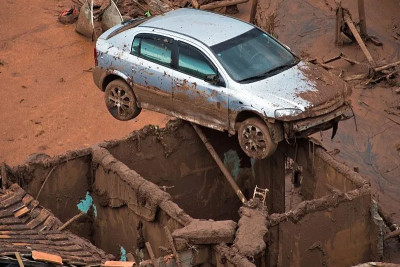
(158, 197)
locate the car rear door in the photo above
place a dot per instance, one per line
(194, 95)
(151, 71)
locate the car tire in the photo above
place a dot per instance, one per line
(121, 101)
(255, 139)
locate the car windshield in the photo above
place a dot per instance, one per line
(253, 55)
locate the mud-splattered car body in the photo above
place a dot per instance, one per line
(294, 101)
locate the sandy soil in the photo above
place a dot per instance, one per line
(48, 102)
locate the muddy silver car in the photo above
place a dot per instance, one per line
(218, 72)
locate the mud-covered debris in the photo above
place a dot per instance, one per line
(207, 232)
(252, 228)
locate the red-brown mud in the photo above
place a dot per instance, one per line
(369, 144)
(48, 101)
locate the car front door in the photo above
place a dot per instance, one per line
(199, 94)
(151, 70)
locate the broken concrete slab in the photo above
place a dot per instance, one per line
(207, 232)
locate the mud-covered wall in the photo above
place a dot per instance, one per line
(322, 174)
(332, 231)
(176, 158)
(65, 181)
(130, 209)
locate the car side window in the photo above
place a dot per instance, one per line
(194, 62)
(155, 48)
(136, 46)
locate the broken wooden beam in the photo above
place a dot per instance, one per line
(172, 245)
(387, 66)
(62, 227)
(220, 164)
(359, 40)
(351, 61)
(45, 180)
(19, 259)
(361, 15)
(151, 254)
(224, 3)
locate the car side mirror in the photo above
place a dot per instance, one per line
(214, 79)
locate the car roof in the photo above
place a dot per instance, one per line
(207, 27)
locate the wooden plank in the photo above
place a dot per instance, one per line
(19, 259)
(172, 246)
(76, 217)
(151, 254)
(224, 3)
(387, 66)
(359, 40)
(46, 257)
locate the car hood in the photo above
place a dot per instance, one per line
(304, 86)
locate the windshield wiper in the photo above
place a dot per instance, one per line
(258, 76)
(267, 73)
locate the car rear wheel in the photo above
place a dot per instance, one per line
(121, 101)
(255, 139)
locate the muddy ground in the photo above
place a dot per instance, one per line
(374, 147)
(48, 101)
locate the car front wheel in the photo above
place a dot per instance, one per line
(121, 101)
(255, 139)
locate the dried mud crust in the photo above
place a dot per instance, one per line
(207, 232)
(249, 240)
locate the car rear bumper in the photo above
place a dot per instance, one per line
(98, 76)
(309, 126)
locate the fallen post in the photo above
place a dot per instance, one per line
(224, 3)
(220, 164)
(359, 40)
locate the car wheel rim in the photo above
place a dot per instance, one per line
(253, 139)
(120, 102)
